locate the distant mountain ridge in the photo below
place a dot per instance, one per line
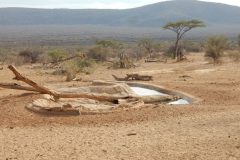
(153, 15)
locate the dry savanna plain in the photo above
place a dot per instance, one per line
(207, 130)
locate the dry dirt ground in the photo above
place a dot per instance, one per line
(209, 130)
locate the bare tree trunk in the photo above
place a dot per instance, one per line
(123, 60)
(176, 55)
(176, 49)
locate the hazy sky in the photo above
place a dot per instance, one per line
(118, 4)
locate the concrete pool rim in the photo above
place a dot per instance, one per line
(186, 96)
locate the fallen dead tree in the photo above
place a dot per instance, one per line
(99, 97)
(54, 94)
(131, 77)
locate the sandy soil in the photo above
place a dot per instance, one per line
(209, 130)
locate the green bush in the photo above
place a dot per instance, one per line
(215, 47)
(57, 55)
(85, 65)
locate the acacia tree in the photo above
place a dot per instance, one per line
(180, 28)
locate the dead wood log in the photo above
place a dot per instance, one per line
(149, 60)
(131, 103)
(157, 99)
(131, 77)
(118, 78)
(139, 77)
(56, 95)
(17, 87)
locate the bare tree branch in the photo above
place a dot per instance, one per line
(56, 95)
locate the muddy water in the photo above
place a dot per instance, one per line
(149, 92)
(146, 92)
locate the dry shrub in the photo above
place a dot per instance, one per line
(104, 49)
(170, 52)
(57, 55)
(30, 56)
(12, 59)
(234, 55)
(98, 53)
(71, 70)
(146, 45)
(44, 58)
(191, 46)
(73, 67)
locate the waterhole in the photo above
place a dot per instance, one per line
(141, 91)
